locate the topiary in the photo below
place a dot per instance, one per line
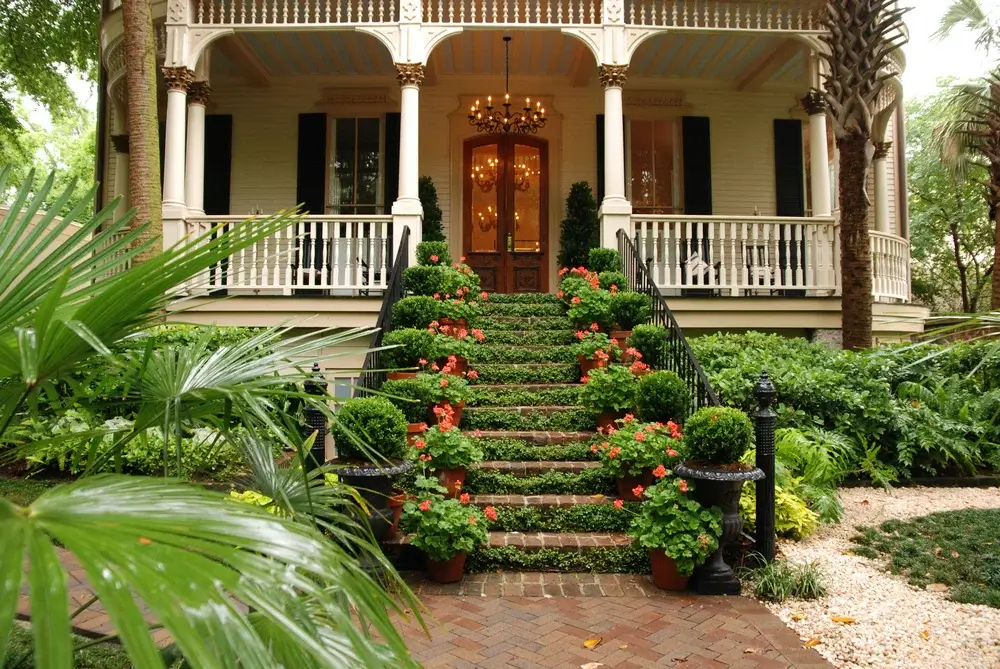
(433, 253)
(717, 436)
(369, 429)
(604, 260)
(661, 397)
(613, 278)
(424, 279)
(414, 344)
(629, 309)
(652, 341)
(580, 230)
(432, 231)
(408, 396)
(416, 311)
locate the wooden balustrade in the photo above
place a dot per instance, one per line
(513, 12)
(339, 255)
(890, 267)
(760, 15)
(295, 12)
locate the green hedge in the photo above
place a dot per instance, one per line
(588, 482)
(517, 450)
(570, 420)
(579, 518)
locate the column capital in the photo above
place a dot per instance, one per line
(612, 76)
(410, 74)
(120, 142)
(177, 78)
(881, 150)
(199, 93)
(814, 102)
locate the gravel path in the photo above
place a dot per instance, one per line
(897, 625)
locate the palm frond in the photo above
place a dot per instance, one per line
(974, 16)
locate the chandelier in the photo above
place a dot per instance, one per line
(495, 121)
(486, 177)
(487, 221)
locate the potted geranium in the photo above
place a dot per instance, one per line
(446, 451)
(446, 530)
(628, 309)
(592, 306)
(593, 349)
(369, 434)
(453, 347)
(633, 451)
(412, 346)
(678, 532)
(715, 440)
(610, 392)
(445, 393)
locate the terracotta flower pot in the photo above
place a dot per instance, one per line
(621, 338)
(413, 431)
(449, 571)
(398, 376)
(457, 408)
(461, 365)
(607, 418)
(665, 574)
(628, 482)
(588, 364)
(396, 502)
(453, 325)
(453, 480)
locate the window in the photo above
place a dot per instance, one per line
(655, 166)
(355, 166)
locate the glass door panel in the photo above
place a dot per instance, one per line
(486, 192)
(527, 188)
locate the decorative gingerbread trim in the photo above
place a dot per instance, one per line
(199, 93)
(120, 143)
(881, 150)
(177, 78)
(409, 74)
(814, 102)
(612, 75)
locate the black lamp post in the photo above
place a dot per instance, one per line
(764, 420)
(315, 418)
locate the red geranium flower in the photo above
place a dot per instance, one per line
(490, 512)
(419, 443)
(619, 503)
(638, 490)
(575, 300)
(472, 374)
(584, 379)
(594, 327)
(425, 505)
(464, 498)
(660, 472)
(484, 295)
(640, 436)
(683, 485)
(672, 453)
(472, 520)
(434, 258)
(613, 453)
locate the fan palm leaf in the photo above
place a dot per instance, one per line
(975, 16)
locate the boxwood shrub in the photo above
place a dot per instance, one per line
(662, 396)
(366, 428)
(717, 436)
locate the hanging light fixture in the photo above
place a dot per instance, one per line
(486, 177)
(494, 121)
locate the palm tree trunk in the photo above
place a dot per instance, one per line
(855, 249)
(143, 125)
(995, 283)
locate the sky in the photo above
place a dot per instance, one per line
(928, 59)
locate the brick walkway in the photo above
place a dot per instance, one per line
(540, 621)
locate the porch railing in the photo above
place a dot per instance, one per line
(677, 355)
(330, 254)
(733, 256)
(373, 373)
(890, 267)
(758, 15)
(295, 12)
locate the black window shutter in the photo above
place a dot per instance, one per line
(697, 156)
(789, 194)
(310, 187)
(600, 158)
(390, 164)
(218, 163)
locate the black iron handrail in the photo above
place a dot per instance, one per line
(677, 355)
(373, 372)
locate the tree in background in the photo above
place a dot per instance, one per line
(951, 233)
(580, 230)
(427, 192)
(860, 37)
(143, 125)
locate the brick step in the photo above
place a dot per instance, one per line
(535, 467)
(527, 387)
(534, 541)
(536, 437)
(525, 410)
(539, 501)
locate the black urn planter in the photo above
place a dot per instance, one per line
(721, 488)
(374, 484)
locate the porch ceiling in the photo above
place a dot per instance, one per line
(744, 60)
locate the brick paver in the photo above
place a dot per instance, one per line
(566, 541)
(526, 410)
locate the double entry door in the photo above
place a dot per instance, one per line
(506, 203)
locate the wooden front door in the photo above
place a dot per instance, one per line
(506, 206)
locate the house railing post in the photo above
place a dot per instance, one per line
(316, 419)
(764, 421)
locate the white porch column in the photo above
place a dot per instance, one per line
(616, 210)
(120, 143)
(819, 155)
(177, 80)
(194, 183)
(407, 210)
(882, 222)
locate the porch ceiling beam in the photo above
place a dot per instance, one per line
(581, 68)
(238, 52)
(767, 65)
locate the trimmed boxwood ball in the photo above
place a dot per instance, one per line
(437, 249)
(424, 279)
(662, 396)
(717, 436)
(650, 340)
(604, 260)
(416, 311)
(612, 278)
(414, 344)
(407, 395)
(629, 309)
(366, 428)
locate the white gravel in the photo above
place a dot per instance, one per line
(897, 625)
